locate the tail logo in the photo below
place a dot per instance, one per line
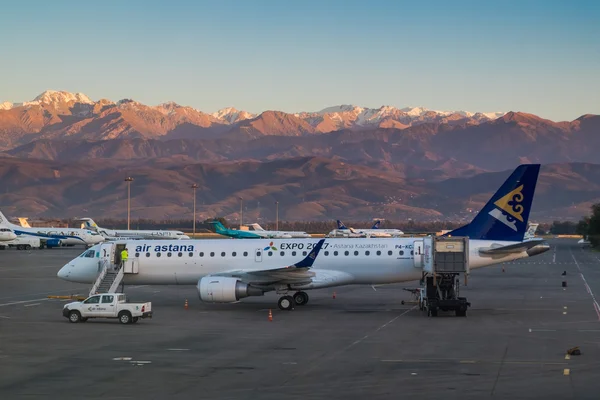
(510, 208)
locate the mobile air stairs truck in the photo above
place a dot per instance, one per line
(443, 260)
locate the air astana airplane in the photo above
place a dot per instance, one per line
(225, 271)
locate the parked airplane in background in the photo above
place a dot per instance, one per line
(530, 234)
(6, 234)
(225, 271)
(113, 234)
(52, 237)
(343, 231)
(278, 234)
(239, 233)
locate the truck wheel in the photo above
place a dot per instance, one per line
(125, 317)
(74, 317)
(134, 320)
(27, 247)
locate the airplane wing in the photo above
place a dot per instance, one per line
(511, 248)
(295, 273)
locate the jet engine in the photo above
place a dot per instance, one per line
(220, 289)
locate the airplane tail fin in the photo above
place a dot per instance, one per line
(24, 223)
(505, 216)
(219, 228)
(90, 224)
(4, 221)
(532, 228)
(376, 224)
(341, 225)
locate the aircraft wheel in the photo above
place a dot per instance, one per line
(300, 298)
(286, 303)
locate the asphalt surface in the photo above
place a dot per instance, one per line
(363, 343)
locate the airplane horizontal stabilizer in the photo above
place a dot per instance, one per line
(512, 248)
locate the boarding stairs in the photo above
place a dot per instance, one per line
(108, 280)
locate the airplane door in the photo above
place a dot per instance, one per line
(106, 252)
(258, 255)
(418, 253)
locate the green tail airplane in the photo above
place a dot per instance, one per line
(221, 230)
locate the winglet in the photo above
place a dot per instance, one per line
(311, 257)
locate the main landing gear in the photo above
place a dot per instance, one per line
(288, 303)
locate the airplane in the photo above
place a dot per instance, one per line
(235, 233)
(530, 234)
(278, 234)
(7, 234)
(343, 231)
(225, 271)
(53, 237)
(376, 231)
(114, 234)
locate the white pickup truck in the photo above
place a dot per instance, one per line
(107, 305)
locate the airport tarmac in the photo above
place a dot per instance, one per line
(363, 343)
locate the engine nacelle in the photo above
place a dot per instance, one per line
(221, 289)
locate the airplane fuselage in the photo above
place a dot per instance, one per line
(340, 262)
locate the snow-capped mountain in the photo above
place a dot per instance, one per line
(232, 115)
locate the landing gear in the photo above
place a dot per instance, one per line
(300, 298)
(286, 303)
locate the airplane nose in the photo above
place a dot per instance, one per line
(64, 272)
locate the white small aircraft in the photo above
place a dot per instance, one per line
(256, 228)
(224, 270)
(114, 234)
(53, 237)
(531, 229)
(343, 231)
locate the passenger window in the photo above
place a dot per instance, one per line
(367, 253)
(294, 253)
(212, 253)
(233, 254)
(401, 252)
(201, 254)
(304, 253)
(137, 255)
(92, 300)
(282, 253)
(346, 252)
(191, 254)
(335, 253)
(222, 254)
(356, 253)
(179, 254)
(147, 254)
(245, 254)
(157, 254)
(378, 252)
(168, 254)
(326, 253)
(270, 253)
(258, 253)
(107, 299)
(411, 252)
(389, 253)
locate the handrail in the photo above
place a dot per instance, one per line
(117, 281)
(100, 278)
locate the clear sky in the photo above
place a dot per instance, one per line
(541, 57)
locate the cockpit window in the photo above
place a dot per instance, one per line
(88, 254)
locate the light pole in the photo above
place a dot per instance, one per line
(276, 215)
(194, 187)
(241, 212)
(128, 180)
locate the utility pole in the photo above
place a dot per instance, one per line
(241, 212)
(128, 180)
(194, 187)
(276, 215)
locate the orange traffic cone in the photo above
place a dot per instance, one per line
(270, 315)
(186, 304)
(334, 295)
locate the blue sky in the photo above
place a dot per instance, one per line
(541, 57)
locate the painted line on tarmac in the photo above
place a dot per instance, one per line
(587, 287)
(32, 305)
(21, 302)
